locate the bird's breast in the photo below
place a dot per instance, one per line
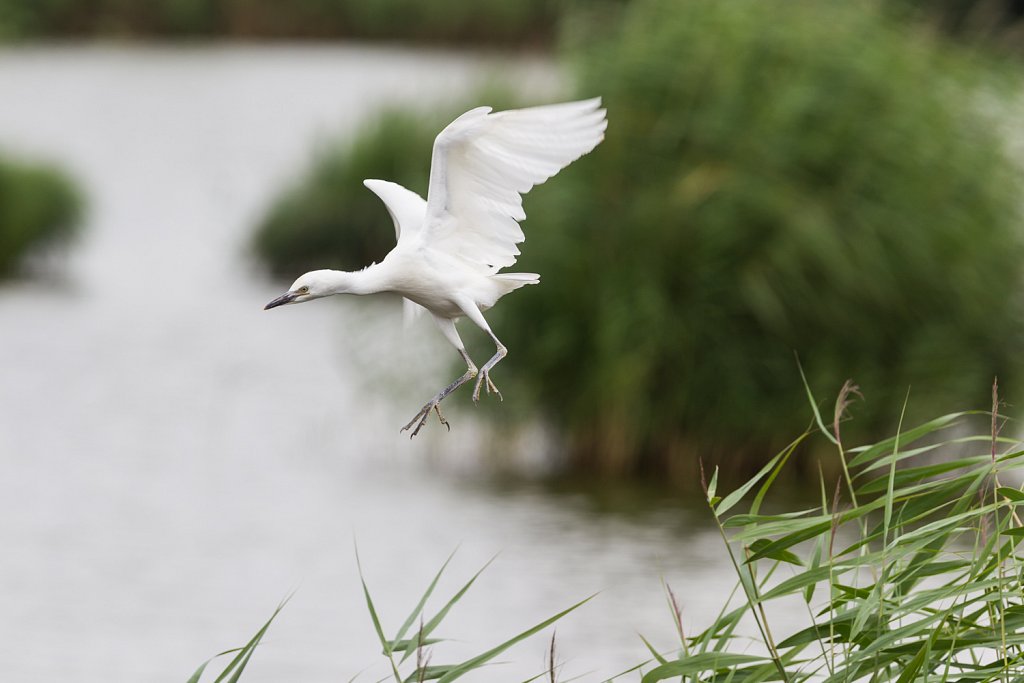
(436, 302)
(436, 283)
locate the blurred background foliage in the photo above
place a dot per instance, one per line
(778, 176)
(994, 21)
(39, 206)
(483, 22)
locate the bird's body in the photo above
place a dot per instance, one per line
(438, 281)
(451, 247)
(433, 280)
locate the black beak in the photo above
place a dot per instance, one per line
(285, 298)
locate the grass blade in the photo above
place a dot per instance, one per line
(650, 648)
(429, 627)
(423, 600)
(814, 406)
(485, 657)
(707, 661)
(238, 664)
(384, 642)
(779, 460)
(202, 667)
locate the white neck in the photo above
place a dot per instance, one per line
(365, 281)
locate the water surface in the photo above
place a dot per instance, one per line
(175, 460)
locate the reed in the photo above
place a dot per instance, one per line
(909, 569)
(410, 650)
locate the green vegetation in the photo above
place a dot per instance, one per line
(233, 671)
(412, 647)
(39, 207)
(778, 177)
(909, 569)
(484, 22)
(996, 21)
(414, 637)
(481, 22)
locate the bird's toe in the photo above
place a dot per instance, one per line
(421, 418)
(437, 407)
(492, 389)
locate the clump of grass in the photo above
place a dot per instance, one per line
(410, 651)
(39, 207)
(399, 648)
(234, 669)
(909, 571)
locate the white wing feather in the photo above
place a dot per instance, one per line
(483, 163)
(406, 208)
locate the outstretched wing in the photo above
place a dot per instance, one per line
(483, 163)
(406, 208)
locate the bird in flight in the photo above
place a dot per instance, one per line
(451, 248)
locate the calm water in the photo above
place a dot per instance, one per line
(175, 460)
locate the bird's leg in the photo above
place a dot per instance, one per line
(485, 372)
(449, 331)
(435, 403)
(472, 312)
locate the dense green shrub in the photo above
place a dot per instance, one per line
(39, 206)
(778, 176)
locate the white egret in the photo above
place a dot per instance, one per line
(452, 246)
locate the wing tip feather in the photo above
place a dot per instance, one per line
(500, 175)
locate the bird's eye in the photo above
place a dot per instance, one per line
(303, 290)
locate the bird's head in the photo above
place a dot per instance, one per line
(312, 285)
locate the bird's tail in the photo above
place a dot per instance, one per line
(516, 280)
(508, 282)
